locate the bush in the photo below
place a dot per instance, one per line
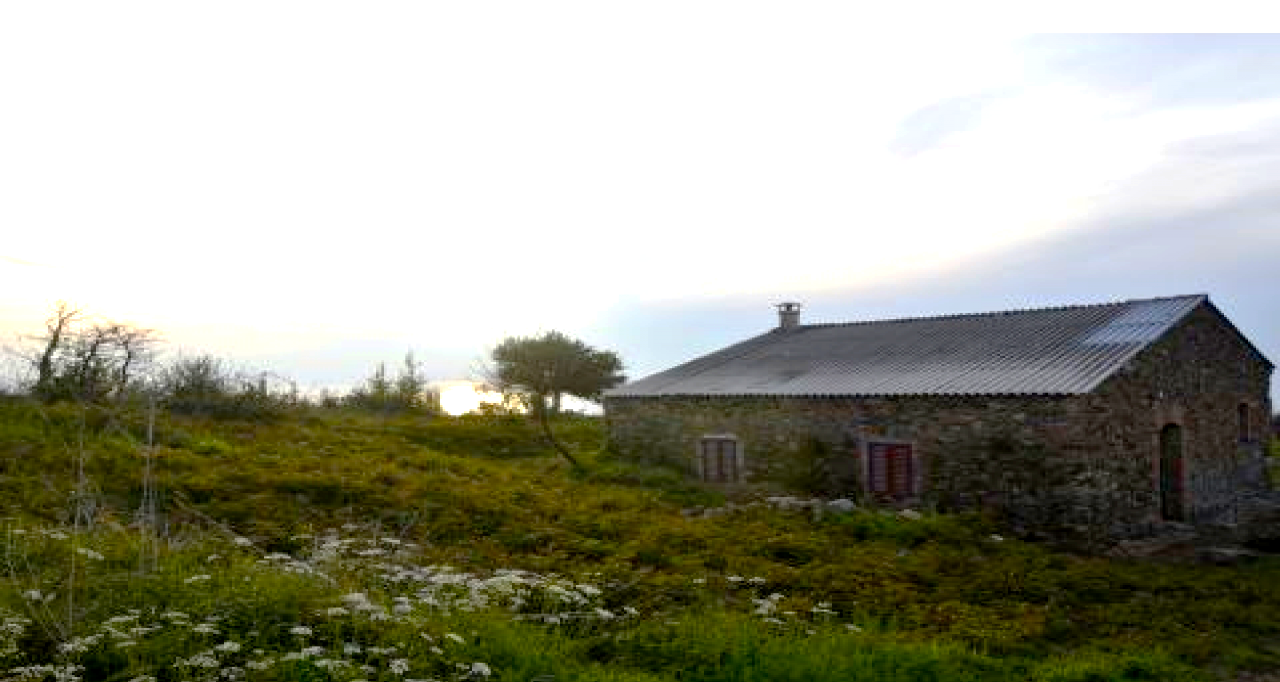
(204, 385)
(406, 392)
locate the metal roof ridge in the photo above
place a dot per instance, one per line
(994, 313)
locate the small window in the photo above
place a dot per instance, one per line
(891, 470)
(1242, 422)
(720, 459)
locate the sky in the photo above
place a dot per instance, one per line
(316, 187)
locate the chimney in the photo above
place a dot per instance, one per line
(788, 315)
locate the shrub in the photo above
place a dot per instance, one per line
(407, 391)
(208, 386)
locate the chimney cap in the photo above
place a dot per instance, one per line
(788, 315)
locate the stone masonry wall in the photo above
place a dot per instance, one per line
(1036, 458)
(1196, 377)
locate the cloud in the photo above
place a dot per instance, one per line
(1169, 70)
(932, 125)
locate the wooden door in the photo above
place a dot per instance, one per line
(1171, 502)
(718, 459)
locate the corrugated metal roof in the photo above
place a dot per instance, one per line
(1045, 351)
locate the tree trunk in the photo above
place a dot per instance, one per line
(57, 325)
(545, 421)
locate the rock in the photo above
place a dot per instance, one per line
(1169, 546)
(841, 505)
(910, 514)
(1225, 556)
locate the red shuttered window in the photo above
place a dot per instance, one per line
(891, 469)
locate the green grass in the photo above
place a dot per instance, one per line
(942, 597)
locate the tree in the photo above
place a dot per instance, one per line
(411, 385)
(72, 361)
(543, 369)
(56, 327)
(409, 390)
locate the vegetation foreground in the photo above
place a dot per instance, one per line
(337, 545)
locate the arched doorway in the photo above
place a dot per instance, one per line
(1171, 473)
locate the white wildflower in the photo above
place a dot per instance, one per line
(243, 542)
(89, 553)
(33, 595)
(200, 660)
(79, 645)
(228, 647)
(197, 578)
(481, 669)
(454, 637)
(300, 630)
(336, 611)
(399, 666)
(205, 629)
(350, 648)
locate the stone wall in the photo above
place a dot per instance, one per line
(1088, 461)
(1197, 376)
(1035, 458)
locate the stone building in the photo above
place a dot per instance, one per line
(1123, 414)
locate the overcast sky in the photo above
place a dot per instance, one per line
(315, 187)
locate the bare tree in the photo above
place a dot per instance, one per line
(74, 361)
(57, 328)
(136, 349)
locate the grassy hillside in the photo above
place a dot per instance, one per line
(343, 546)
